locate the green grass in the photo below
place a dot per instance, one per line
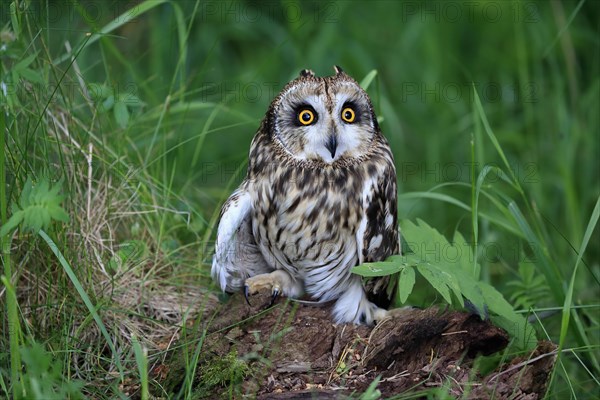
(146, 112)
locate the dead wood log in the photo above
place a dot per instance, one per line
(296, 352)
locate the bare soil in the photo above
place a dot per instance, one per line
(294, 351)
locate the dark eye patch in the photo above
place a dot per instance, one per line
(302, 107)
(358, 111)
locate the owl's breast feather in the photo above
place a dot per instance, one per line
(306, 222)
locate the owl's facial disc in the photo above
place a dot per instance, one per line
(324, 119)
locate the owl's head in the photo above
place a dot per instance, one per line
(323, 118)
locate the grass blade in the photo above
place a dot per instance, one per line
(127, 16)
(493, 139)
(566, 311)
(434, 196)
(564, 28)
(475, 202)
(366, 82)
(550, 270)
(141, 359)
(449, 199)
(14, 330)
(86, 299)
(14, 325)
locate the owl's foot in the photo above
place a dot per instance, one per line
(354, 307)
(380, 314)
(278, 282)
(274, 295)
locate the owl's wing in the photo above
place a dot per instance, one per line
(378, 235)
(236, 254)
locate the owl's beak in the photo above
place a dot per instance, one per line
(331, 145)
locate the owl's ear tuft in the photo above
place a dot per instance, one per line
(338, 69)
(307, 73)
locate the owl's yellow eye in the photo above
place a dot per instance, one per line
(348, 115)
(306, 117)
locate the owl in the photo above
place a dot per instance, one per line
(319, 198)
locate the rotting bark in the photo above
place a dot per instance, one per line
(310, 357)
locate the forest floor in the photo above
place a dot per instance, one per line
(295, 351)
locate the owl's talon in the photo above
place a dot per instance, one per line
(246, 290)
(274, 297)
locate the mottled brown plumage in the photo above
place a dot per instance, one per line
(319, 198)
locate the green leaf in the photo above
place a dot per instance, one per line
(37, 207)
(406, 283)
(519, 329)
(44, 216)
(99, 91)
(54, 191)
(108, 103)
(529, 289)
(467, 260)
(33, 218)
(36, 358)
(40, 191)
(24, 63)
(381, 268)
(449, 276)
(114, 265)
(14, 19)
(56, 212)
(25, 194)
(449, 268)
(129, 252)
(496, 302)
(31, 75)
(469, 288)
(414, 236)
(43, 376)
(398, 258)
(121, 114)
(131, 100)
(134, 249)
(436, 280)
(12, 223)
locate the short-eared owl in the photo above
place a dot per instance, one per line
(319, 198)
